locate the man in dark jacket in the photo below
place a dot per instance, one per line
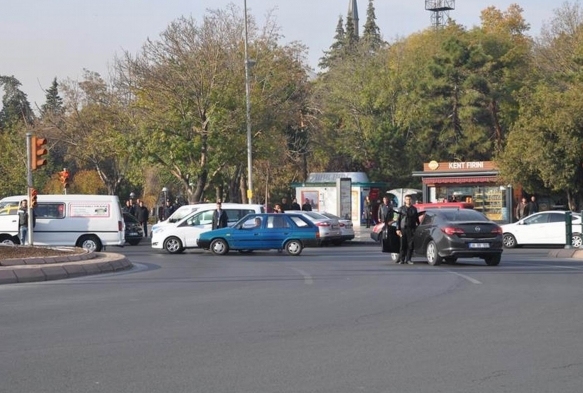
(142, 214)
(386, 212)
(532, 206)
(306, 206)
(220, 219)
(407, 222)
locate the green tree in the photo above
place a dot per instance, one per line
(15, 105)
(336, 50)
(371, 36)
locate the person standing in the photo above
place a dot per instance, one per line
(407, 222)
(278, 209)
(284, 205)
(306, 206)
(521, 209)
(532, 206)
(23, 221)
(386, 212)
(295, 205)
(168, 210)
(367, 213)
(220, 219)
(142, 214)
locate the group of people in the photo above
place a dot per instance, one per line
(407, 219)
(139, 211)
(525, 209)
(284, 206)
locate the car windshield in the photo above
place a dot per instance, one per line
(330, 215)
(181, 212)
(462, 215)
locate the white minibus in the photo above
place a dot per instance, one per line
(88, 221)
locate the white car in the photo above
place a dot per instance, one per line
(178, 236)
(346, 226)
(546, 227)
(329, 227)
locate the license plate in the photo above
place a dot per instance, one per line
(479, 245)
(133, 233)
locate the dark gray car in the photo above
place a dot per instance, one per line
(449, 234)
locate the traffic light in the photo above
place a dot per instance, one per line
(33, 197)
(64, 178)
(38, 151)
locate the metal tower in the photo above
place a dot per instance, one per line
(439, 11)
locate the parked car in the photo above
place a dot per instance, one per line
(265, 231)
(421, 207)
(546, 227)
(346, 227)
(449, 234)
(329, 227)
(134, 231)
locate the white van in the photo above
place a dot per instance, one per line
(88, 221)
(176, 237)
(178, 215)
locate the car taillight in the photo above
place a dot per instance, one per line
(120, 226)
(342, 225)
(323, 224)
(452, 231)
(497, 231)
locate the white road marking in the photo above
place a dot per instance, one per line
(470, 279)
(307, 277)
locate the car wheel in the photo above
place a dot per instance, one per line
(394, 257)
(509, 240)
(219, 247)
(90, 243)
(134, 242)
(431, 253)
(11, 241)
(493, 260)
(173, 245)
(577, 240)
(294, 247)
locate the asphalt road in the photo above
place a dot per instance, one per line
(334, 320)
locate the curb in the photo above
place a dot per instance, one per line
(574, 253)
(82, 265)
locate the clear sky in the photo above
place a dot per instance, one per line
(43, 39)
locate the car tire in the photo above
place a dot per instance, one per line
(9, 240)
(294, 247)
(173, 245)
(577, 240)
(394, 257)
(219, 247)
(493, 260)
(431, 254)
(509, 240)
(90, 243)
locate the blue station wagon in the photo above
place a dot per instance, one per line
(289, 232)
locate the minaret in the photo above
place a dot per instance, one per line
(353, 13)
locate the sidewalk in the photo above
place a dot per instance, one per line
(362, 235)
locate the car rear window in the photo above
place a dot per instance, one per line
(462, 215)
(299, 221)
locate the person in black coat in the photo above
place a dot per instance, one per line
(407, 222)
(220, 219)
(306, 206)
(295, 205)
(142, 214)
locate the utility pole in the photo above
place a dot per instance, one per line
(248, 103)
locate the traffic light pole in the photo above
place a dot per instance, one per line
(29, 159)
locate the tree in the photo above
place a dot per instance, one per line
(189, 88)
(53, 102)
(371, 36)
(15, 105)
(336, 50)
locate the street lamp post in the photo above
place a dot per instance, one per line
(248, 112)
